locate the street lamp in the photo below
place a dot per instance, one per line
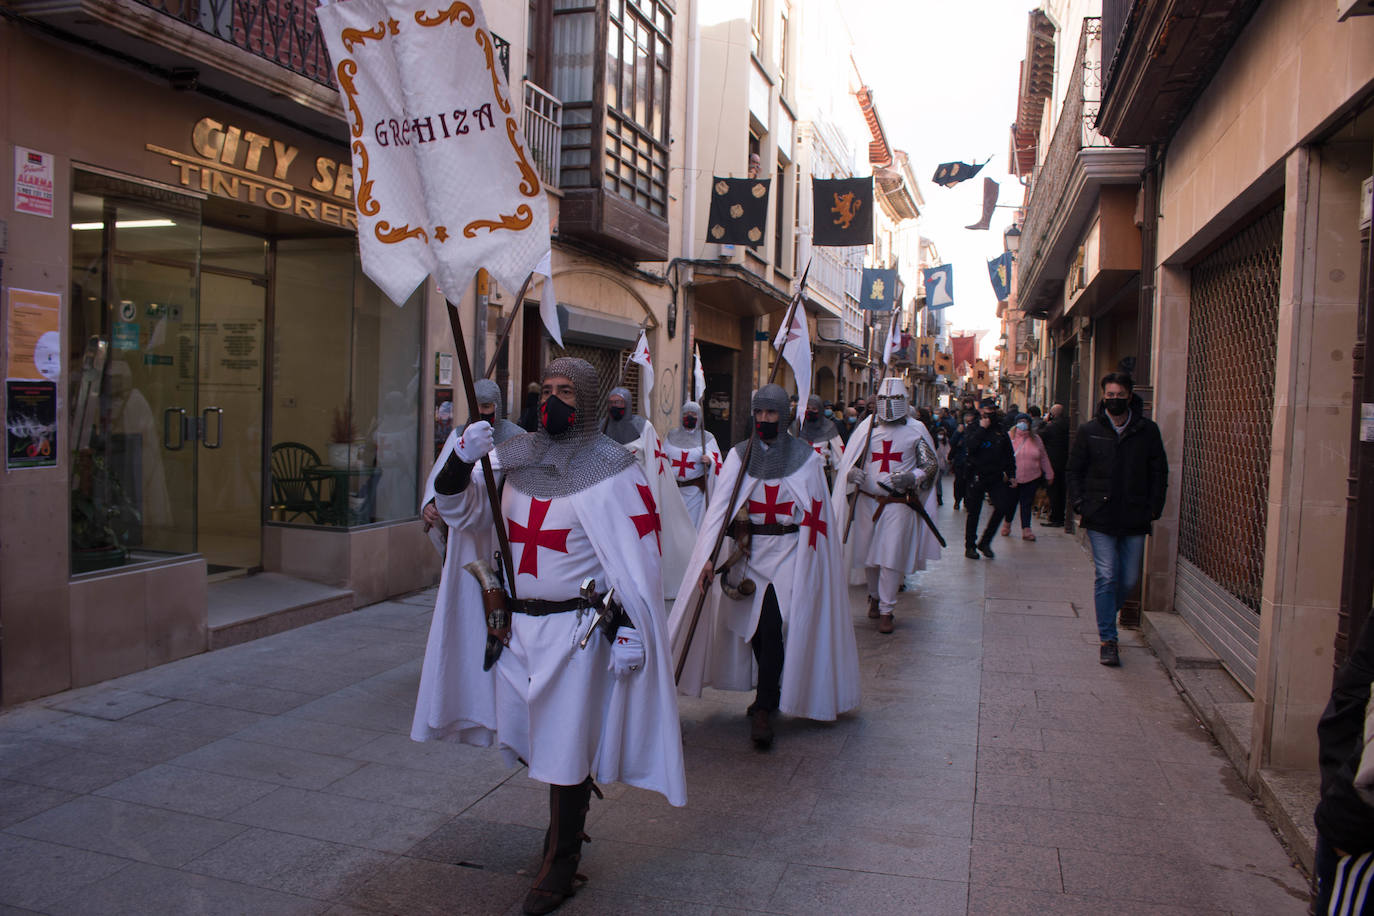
(1011, 239)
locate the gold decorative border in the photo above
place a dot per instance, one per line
(347, 69)
(520, 219)
(366, 203)
(459, 12)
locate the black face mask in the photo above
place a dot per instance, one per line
(810, 415)
(489, 417)
(617, 413)
(555, 416)
(1116, 406)
(768, 431)
(689, 422)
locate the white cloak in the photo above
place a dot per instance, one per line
(541, 685)
(899, 540)
(678, 530)
(686, 464)
(820, 674)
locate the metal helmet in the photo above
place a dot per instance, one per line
(892, 400)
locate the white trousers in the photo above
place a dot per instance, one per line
(884, 583)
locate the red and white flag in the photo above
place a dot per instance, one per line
(794, 341)
(894, 341)
(642, 356)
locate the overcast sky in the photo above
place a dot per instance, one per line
(944, 80)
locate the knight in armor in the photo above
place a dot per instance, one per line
(778, 594)
(580, 686)
(638, 437)
(694, 460)
(823, 435)
(888, 539)
(489, 408)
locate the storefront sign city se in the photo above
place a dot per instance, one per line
(248, 167)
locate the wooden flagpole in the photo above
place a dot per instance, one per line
(734, 493)
(868, 439)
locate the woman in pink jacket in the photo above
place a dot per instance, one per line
(1032, 469)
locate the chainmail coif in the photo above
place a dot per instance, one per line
(538, 464)
(488, 392)
(681, 436)
(785, 454)
(819, 428)
(628, 429)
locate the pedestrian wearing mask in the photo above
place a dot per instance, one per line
(991, 465)
(1032, 469)
(1118, 475)
(851, 420)
(958, 456)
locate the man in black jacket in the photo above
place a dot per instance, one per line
(990, 464)
(1117, 476)
(1344, 817)
(1055, 435)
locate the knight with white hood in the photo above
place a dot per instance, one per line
(574, 699)
(782, 594)
(888, 539)
(694, 460)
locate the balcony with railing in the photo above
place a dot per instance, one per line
(1064, 191)
(544, 132)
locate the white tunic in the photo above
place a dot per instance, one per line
(546, 701)
(679, 531)
(899, 540)
(686, 464)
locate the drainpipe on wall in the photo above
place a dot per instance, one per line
(686, 273)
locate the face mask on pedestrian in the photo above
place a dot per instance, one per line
(767, 429)
(555, 416)
(851, 420)
(1116, 406)
(1023, 426)
(829, 413)
(689, 422)
(810, 415)
(489, 417)
(617, 413)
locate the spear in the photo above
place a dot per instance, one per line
(455, 322)
(734, 493)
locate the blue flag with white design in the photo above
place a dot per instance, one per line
(999, 272)
(939, 286)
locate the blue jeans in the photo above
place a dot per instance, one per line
(1117, 561)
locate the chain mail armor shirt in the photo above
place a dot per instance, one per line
(681, 436)
(785, 454)
(545, 466)
(629, 428)
(488, 392)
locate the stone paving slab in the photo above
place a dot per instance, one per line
(993, 768)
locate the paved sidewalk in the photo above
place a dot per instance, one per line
(993, 768)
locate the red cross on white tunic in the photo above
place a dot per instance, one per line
(682, 465)
(534, 536)
(650, 520)
(660, 455)
(719, 466)
(812, 520)
(817, 446)
(887, 456)
(771, 509)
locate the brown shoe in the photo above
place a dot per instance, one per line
(872, 608)
(761, 729)
(885, 623)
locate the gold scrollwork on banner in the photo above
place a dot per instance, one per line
(522, 217)
(367, 204)
(488, 49)
(348, 68)
(389, 236)
(529, 184)
(459, 12)
(354, 37)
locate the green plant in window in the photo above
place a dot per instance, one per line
(101, 510)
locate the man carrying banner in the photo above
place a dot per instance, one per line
(781, 592)
(888, 539)
(575, 696)
(694, 458)
(823, 435)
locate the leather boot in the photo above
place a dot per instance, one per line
(872, 608)
(885, 624)
(761, 728)
(558, 878)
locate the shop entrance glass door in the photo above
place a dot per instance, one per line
(231, 348)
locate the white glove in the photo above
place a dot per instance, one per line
(857, 475)
(627, 652)
(475, 442)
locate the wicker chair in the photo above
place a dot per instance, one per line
(294, 494)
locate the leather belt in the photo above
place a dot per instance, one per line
(755, 528)
(538, 607)
(883, 502)
(698, 482)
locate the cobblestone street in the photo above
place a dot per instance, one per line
(994, 767)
